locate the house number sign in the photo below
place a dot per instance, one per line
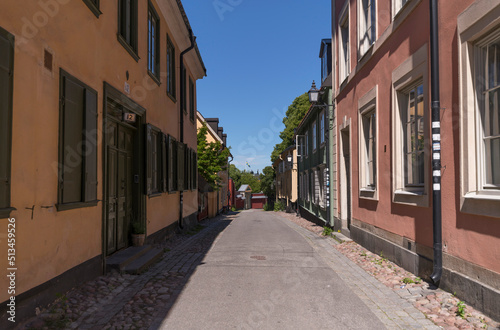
(129, 117)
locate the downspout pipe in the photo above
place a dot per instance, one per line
(436, 146)
(181, 115)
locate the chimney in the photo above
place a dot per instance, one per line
(213, 123)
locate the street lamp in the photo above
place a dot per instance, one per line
(313, 93)
(289, 158)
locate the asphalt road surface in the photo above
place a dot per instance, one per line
(262, 274)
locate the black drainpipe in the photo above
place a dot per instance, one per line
(436, 146)
(181, 114)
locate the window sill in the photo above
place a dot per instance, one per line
(155, 78)
(5, 213)
(403, 11)
(411, 197)
(481, 204)
(368, 193)
(155, 194)
(128, 48)
(72, 206)
(95, 10)
(172, 97)
(368, 52)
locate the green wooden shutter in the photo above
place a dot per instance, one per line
(149, 159)
(172, 157)
(195, 170)
(72, 138)
(180, 166)
(6, 74)
(90, 145)
(170, 162)
(164, 161)
(190, 169)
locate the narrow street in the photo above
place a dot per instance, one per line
(253, 270)
(267, 273)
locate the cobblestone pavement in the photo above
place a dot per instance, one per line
(122, 301)
(443, 308)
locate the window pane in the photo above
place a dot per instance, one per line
(493, 65)
(493, 161)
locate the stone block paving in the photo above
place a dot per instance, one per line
(123, 301)
(396, 296)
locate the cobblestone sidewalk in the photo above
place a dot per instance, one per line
(443, 308)
(122, 301)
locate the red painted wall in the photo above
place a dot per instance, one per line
(473, 238)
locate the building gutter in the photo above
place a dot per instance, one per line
(181, 116)
(436, 146)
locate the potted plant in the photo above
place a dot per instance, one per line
(138, 233)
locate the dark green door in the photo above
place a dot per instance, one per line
(119, 185)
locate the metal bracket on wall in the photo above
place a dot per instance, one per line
(32, 210)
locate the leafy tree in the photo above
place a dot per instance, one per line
(267, 180)
(212, 158)
(252, 180)
(296, 111)
(243, 177)
(235, 174)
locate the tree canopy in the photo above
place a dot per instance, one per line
(266, 182)
(212, 158)
(296, 111)
(243, 177)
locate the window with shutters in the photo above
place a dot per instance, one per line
(153, 44)
(77, 144)
(170, 69)
(156, 161)
(93, 6)
(6, 89)
(127, 26)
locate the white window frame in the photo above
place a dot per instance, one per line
(307, 143)
(314, 135)
(367, 25)
(398, 5)
(344, 44)
(475, 27)
(412, 70)
(367, 105)
(322, 127)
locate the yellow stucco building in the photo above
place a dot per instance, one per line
(286, 178)
(216, 201)
(97, 132)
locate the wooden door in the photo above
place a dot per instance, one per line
(119, 178)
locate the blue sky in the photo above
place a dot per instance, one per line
(260, 55)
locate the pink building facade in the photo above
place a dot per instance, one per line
(384, 144)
